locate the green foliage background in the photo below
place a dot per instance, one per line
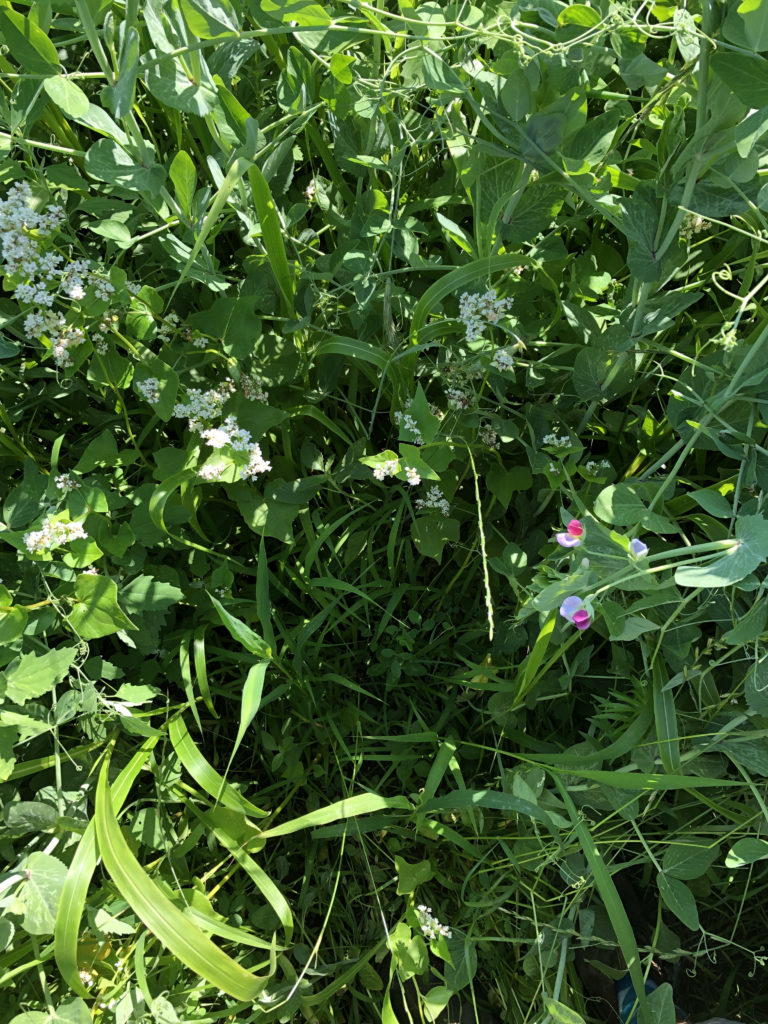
(250, 724)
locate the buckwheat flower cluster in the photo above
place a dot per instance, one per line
(21, 229)
(475, 311)
(203, 406)
(196, 338)
(253, 388)
(434, 499)
(554, 441)
(407, 422)
(228, 433)
(459, 399)
(488, 436)
(73, 278)
(167, 327)
(68, 337)
(52, 534)
(386, 469)
(149, 389)
(412, 476)
(256, 464)
(212, 471)
(429, 924)
(597, 467)
(104, 289)
(502, 360)
(65, 483)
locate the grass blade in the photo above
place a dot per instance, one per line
(174, 930)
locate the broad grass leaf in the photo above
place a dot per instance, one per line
(205, 775)
(148, 901)
(41, 892)
(679, 899)
(351, 807)
(67, 95)
(756, 687)
(272, 235)
(742, 559)
(32, 675)
(687, 862)
(75, 889)
(746, 851)
(250, 700)
(244, 635)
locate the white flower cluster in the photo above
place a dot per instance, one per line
(693, 224)
(502, 360)
(386, 469)
(489, 436)
(475, 311)
(597, 467)
(557, 442)
(212, 471)
(167, 327)
(149, 389)
(202, 407)
(52, 534)
(20, 229)
(229, 433)
(65, 483)
(73, 278)
(434, 499)
(407, 422)
(459, 399)
(253, 388)
(197, 339)
(412, 476)
(429, 924)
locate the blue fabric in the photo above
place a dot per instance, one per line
(625, 998)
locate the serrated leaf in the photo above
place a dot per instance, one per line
(41, 892)
(32, 675)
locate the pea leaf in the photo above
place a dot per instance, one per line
(746, 851)
(679, 899)
(67, 95)
(750, 551)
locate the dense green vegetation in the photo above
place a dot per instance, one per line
(383, 404)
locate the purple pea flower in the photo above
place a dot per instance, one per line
(637, 549)
(573, 535)
(574, 609)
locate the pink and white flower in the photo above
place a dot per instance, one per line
(575, 610)
(572, 537)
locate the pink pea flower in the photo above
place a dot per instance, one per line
(574, 609)
(573, 535)
(637, 549)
